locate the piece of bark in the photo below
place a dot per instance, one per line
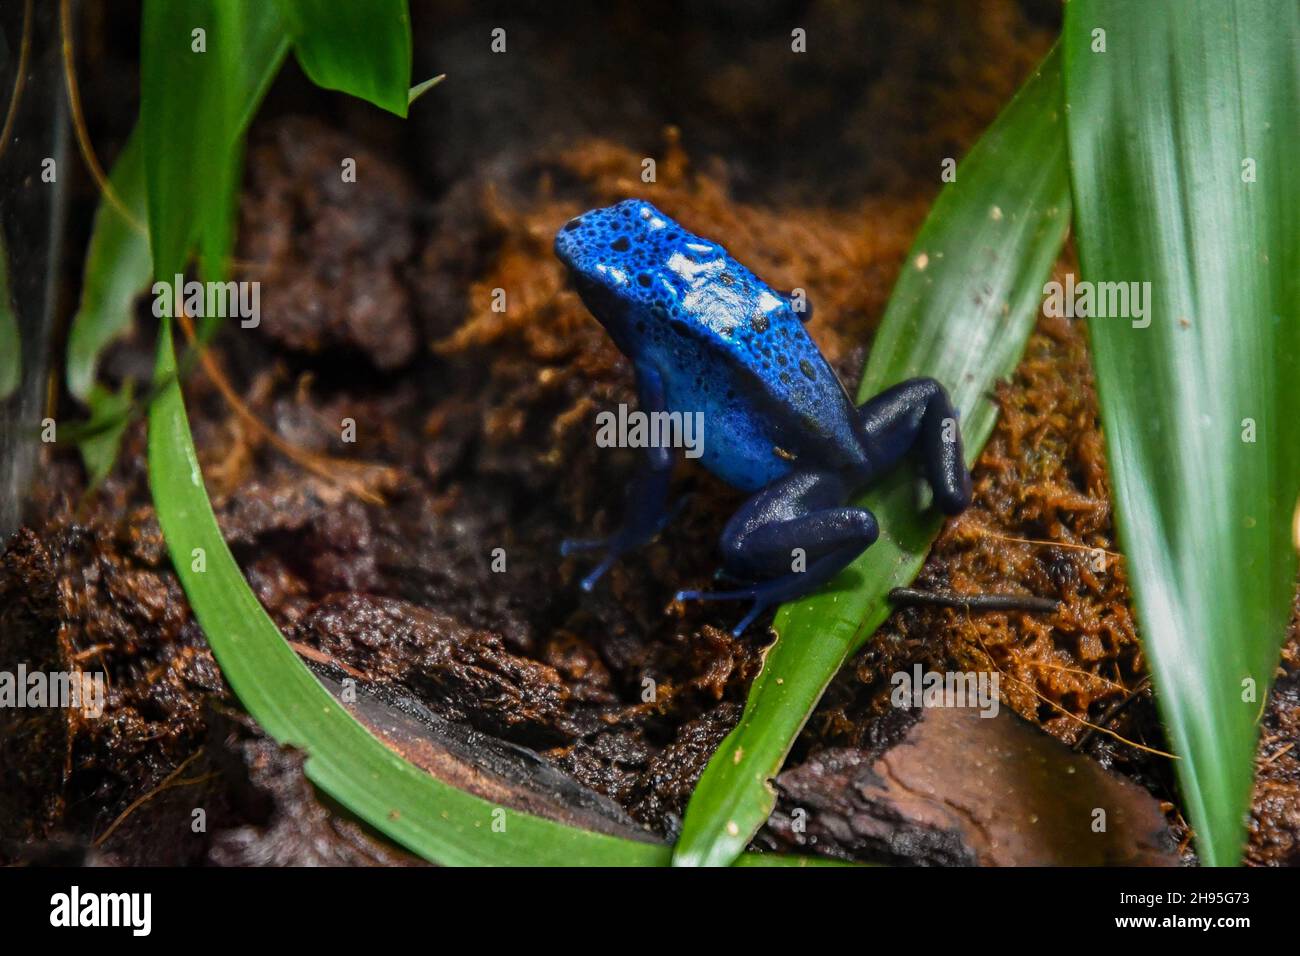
(492, 769)
(466, 674)
(958, 789)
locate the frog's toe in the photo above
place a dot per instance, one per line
(763, 596)
(571, 546)
(760, 596)
(614, 547)
(598, 572)
(758, 608)
(714, 595)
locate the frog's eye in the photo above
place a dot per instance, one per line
(727, 278)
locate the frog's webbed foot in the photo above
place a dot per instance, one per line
(571, 546)
(918, 413)
(790, 538)
(763, 595)
(647, 517)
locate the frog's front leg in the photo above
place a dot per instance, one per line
(791, 537)
(647, 512)
(918, 414)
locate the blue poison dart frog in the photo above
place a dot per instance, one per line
(704, 334)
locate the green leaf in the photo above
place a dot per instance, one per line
(195, 105)
(421, 88)
(1165, 127)
(961, 312)
(109, 416)
(11, 344)
(359, 48)
(417, 810)
(117, 268)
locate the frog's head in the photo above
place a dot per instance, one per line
(643, 276)
(614, 256)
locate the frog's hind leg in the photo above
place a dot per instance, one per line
(918, 413)
(791, 537)
(648, 511)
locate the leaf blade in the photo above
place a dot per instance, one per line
(1004, 219)
(378, 69)
(194, 108)
(108, 421)
(1203, 517)
(420, 89)
(118, 266)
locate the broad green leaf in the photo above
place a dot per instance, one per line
(117, 268)
(961, 312)
(417, 810)
(1184, 136)
(11, 343)
(204, 67)
(359, 48)
(109, 416)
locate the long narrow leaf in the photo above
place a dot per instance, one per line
(1184, 136)
(961, 312)
(204, 67)
(108, 420)
(118, 266)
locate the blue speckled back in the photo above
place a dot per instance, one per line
(724, 343)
